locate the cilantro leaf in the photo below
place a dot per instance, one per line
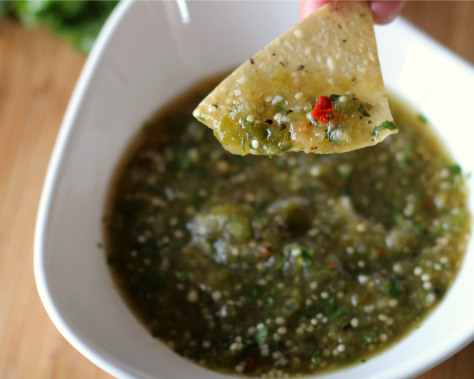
(395, 287)
(364, 111)
(384, 125)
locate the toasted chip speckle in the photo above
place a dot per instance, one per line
(298, 33)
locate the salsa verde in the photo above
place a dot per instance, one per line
(286, 266)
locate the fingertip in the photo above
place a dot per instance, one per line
(309, 6)
(382, 11)
(385, 11)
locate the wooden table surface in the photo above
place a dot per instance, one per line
(37, 76)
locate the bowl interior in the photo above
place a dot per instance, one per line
(147, 54)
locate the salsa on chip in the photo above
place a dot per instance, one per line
(317, 88)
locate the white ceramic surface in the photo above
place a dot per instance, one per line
(146, 54)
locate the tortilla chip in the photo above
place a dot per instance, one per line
(267, 105)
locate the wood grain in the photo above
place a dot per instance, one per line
(450, 22)
(37, 75)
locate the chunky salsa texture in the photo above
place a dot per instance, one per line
(285, 123)
(285, 266)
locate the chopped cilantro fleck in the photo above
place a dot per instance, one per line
(185, 163)
(407, 161)
(455, 169)
(336, 134)
(209, 318)
(232, 108)
(307, 255)
(422, 118)
(395, 287)
(345, 191)
(282, 108)
(286, 147)
(438, 230)
(332, 311)
(182, 276)
(366, 336)
(231, 310)
(443, 265)
(462, 218)
(384, 125)
(309, 340)
(420, 227)
(281, 262)
(364, 111)
(269, 302)
(316, 356)
(227, 288)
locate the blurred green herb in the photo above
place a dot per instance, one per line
(422, 118)
(395, 287)
(78, 22)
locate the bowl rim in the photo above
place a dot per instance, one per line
(46, 200)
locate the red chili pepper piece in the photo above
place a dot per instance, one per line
(251, 363)
(323, 109)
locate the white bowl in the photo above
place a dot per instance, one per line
(147, 53)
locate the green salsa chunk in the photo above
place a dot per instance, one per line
(295, 265)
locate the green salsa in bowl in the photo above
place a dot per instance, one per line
(283, 267)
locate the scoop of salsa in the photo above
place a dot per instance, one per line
(317, 88)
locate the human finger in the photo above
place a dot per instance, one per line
(385, 11)
(309, 6)
(382, 11)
